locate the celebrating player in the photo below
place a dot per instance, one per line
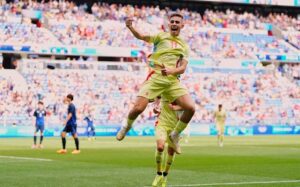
(70, 126)
(220, 118)
(167, 120)
(169, 51)
(39, 115)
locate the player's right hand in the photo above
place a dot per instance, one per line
(129, 22)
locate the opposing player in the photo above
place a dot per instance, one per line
(220, 118)
(169, 50)
(70, 126)
(39, 114)
(90, 128)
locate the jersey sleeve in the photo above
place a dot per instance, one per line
(155, 38)
(35, 114)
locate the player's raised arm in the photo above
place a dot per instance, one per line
(137, 34)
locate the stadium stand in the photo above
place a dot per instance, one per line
(253, 96)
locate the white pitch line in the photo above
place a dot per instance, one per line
(26, 158)
(234, 183)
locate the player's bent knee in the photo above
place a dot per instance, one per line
(171, 151)
(192, 109)
(160, 148)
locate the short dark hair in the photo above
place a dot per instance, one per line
(220, 105)
(41, 103)
(70, 96)
(176, 15)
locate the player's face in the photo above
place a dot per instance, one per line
(175, 25)
(40, 106)
(66, 100)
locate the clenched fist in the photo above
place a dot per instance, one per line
(129, 22)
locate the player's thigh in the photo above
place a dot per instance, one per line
(220, 129)
(74, 131)
(42, 128)
(36, 129)
(175, 91)
(66, 130)
(161, 134)
(186, 102)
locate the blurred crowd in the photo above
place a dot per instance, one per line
(70, 24)
(257, 98)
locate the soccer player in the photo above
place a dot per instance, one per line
(39, 114)
(220, 118)
(70, 126)
(168, 116)
(169, 51)
(90, 129)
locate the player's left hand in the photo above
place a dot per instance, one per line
(166, 71)
(171, 107)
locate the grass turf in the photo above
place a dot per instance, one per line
(130, 163)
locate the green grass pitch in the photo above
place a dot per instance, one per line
(243, 161)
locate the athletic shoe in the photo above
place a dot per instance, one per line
(75, 152)
(157, 181)
(62, 151)
(164, 182)
(122, 132)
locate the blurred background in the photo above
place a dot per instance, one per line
(244, 54)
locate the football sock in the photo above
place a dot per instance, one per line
(158, 158)
(77, 143)
(41, 139)
(169, 162)
(180, 126)
(130, 122)
(63, 140)
(34, 140)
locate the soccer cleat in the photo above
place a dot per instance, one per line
(174, 137)
(89, 139)
(40, 146)
(75, 152)
(62, 151)
(164, 182)
(122, 132)
(157, 181)
(33, 146)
